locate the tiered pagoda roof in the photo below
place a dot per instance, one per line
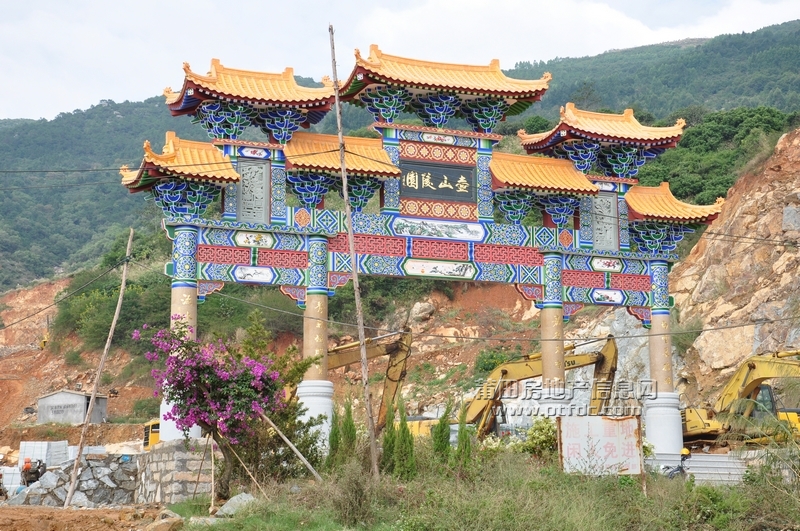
(317, 152)
(576, 124)
(259, 89)
(185, 159)
(537, 173)
(657, 203)
(470, 81)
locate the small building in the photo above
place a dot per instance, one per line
(69, 407)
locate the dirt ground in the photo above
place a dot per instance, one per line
(52, 519)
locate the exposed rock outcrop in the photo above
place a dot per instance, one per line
(744, 272)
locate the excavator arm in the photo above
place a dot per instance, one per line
(481, 409)
(701, 424)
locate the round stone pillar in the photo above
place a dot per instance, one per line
(554, 396)
(184, 303)
(315, 392)
(184, 276)
(663, 423)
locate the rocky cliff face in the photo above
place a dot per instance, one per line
(743, 273)
(740, 283)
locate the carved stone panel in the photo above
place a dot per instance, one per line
(605, 220)
(253, 197)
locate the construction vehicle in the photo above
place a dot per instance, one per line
(32, 471)
(705, 425)
(152, 434)
(398, 351)
(483, 408)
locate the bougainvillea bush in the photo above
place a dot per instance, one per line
(210, 387)
(213, 386)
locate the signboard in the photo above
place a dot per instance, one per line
(438, 181)
(596, 445)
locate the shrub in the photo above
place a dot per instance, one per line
(348, 428)
(334, 441)
(463, 453)
(405, 467)
(489, 360)
(441, 435)
(73, 357)
(541, 438)
(147, 408)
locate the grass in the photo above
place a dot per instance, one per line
(506, 490)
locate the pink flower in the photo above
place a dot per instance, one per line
(136, 335)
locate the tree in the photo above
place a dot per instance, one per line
(441, 435)
(464, 448)
(211, 388)
(334, 442)
(405, 465)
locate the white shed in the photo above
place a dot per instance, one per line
(69, 407)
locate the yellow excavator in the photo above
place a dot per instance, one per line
(482, 409)
(398, 349)
(705, 425)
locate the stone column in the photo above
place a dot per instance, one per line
(184, 276)
(315, 392)
(662, 415)
(183, 303)
(552, 326)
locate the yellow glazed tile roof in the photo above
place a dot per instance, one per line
(187, 159)
(253, 86)
(658, 203)
(618, 126)
(363, 156)
(539, 173)
(471, 78)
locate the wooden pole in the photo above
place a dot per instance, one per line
(373, 445)
(212, 509)
(74, 478)
(293, 447)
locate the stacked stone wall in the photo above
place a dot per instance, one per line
(169, 471)
(102, 480)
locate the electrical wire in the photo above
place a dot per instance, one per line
(68, 295)
(579, 341)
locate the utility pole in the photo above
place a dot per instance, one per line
(87, 420)
(373, 445)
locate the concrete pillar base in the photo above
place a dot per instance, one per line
(317, 397)
(663, 426)
(554, 403)
(169, 431)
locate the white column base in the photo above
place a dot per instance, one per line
(663, 426)
(317, 397)
(169, 431)
(554, 403)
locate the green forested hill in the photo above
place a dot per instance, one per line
(749, 69)
(54, 219)
(63, 219)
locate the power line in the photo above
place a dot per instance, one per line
(584, 341)
(68, 295)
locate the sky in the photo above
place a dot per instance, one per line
(58, 56)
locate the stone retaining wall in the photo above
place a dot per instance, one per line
(102, 480)
(169, 471)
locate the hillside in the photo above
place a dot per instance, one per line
(65, 207)
(748, 69)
